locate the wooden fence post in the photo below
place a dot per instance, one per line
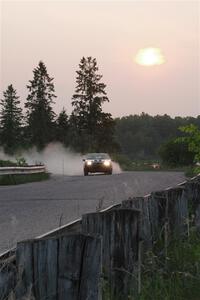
(55, 268)
(119, 229)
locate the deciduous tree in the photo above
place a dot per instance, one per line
(175, 154)
(192, 139)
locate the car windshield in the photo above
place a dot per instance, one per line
(97, 156)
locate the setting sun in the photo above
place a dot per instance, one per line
(149, 57)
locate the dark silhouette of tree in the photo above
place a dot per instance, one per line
(88, 120)
(40, 116)
(11, 119)
(62, 128)
(175, 154)
(140, 136)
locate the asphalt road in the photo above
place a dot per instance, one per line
(32, 209)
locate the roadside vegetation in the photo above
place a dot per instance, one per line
(21, 178)
(141, 136)
(181, 153)
(146, 165)
(176, 276)
(170, 273)
(19, 162)
(7, 163)
(14, 179)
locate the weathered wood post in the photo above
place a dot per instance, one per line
(119, 229)
(7, 276)
(79, 268)
(142, 203)
(192, 190)
(172, 213)
(68, 267)
(163, 214)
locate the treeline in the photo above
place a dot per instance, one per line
(87, 128)
(144, 137)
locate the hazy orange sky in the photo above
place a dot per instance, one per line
(61, 32)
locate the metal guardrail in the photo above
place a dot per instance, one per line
(22, 170)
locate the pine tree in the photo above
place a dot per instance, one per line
(62, 131)
(40, 116)
(11, 119)
(87, 117)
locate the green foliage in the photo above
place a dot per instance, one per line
(192, 171)
(179, 279)
(192, 139)
(21, 162)
(175, 154)
(21, 178)
(124, 162)
(141, 136)
(196, 170)
(7, 163)
(149, 165)
(10, 121)
(40, 116)
(92, 130)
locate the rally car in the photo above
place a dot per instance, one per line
(97, 163)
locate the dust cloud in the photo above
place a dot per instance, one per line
(56, 158)
(116, 168)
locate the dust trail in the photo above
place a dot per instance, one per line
(56, 158)
(116, 168)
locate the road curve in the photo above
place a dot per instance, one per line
(32, 209)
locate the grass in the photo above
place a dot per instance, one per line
(127, 164)
(22, 178)
(174, 278)
(20, 162)
(149, 165)
(7, 163)
(192, 171)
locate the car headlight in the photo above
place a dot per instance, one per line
(106, 163)
(89, 162)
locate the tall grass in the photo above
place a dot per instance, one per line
(176, 277)
(21, 178)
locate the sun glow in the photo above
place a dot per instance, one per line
(149, 57)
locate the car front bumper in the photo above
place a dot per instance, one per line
(95, 168)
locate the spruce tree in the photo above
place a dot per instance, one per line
(40, 116)
(87, 117)
(62, 128)
(11, 119)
